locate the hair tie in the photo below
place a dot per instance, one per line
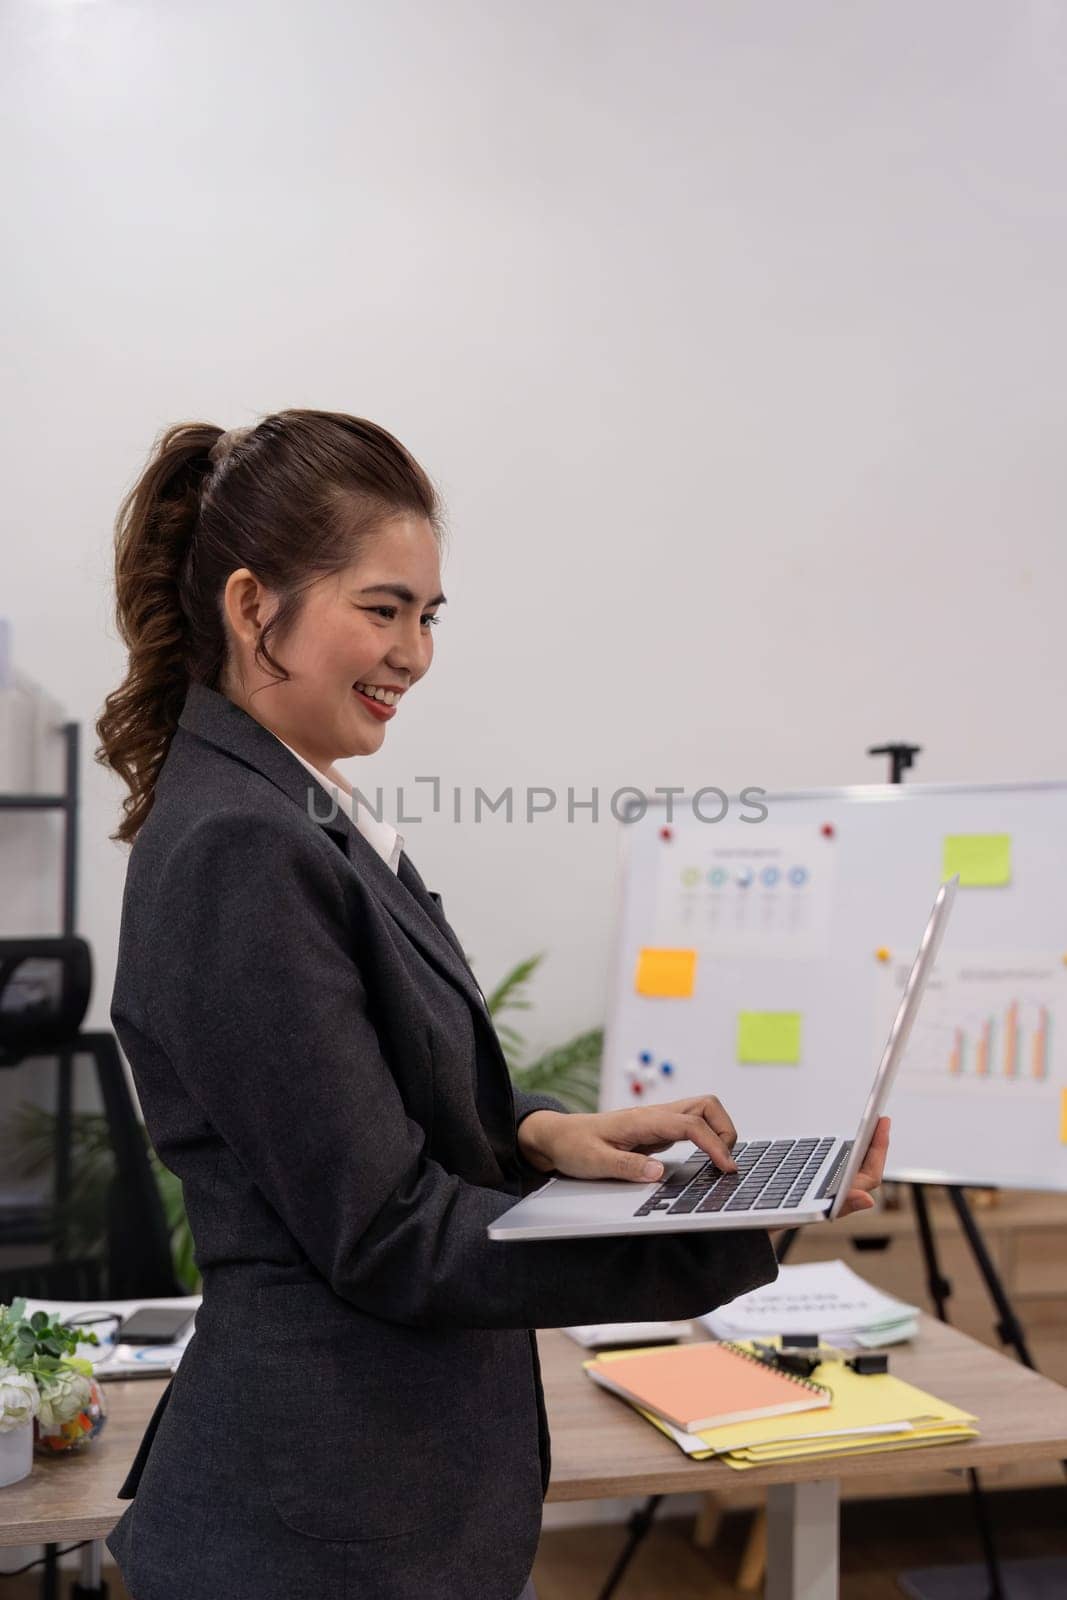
(226, 444)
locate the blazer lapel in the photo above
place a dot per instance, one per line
(407, 898)
(213, 717)
(430, 900)
(408, 901)
(496, 1100)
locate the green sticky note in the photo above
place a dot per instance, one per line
(983, 860)
(768, 1037)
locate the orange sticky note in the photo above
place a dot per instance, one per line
(1063, 1116)
(666, 974)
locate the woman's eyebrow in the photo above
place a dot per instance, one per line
(400, 591)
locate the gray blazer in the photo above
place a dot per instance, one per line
(359, 1413)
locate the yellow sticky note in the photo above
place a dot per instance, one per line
(1063, 1116)
(768, 1036)
(983, 860)
(666, 974)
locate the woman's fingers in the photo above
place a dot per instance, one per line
(619, 1144)
(873, 1164)
(715, 1114)
(661, 1126)
(633, 1165)
(869, 1176)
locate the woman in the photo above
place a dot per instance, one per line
(359, 1413)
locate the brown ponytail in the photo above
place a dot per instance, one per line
(292, 499)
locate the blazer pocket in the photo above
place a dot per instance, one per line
(364, 1436)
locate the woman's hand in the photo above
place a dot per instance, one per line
(619, 1144)
(869, 1176)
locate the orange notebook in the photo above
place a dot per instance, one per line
(696, 1386)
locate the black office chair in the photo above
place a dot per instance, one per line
(45, 986)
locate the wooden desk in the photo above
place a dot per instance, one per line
(601, 1449)
(65, 1500)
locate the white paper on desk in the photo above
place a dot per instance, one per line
(823, 1297)
(886, 1333)
(693, 1444)
(602, 1335)
(134, 1360)
(103, 1356)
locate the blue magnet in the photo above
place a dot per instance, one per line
(666, 1068)
(645, 1057)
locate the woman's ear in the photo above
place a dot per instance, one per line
(243, 606)
(247, 606)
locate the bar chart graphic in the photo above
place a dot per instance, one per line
(1010, 1044)
(986, 1025)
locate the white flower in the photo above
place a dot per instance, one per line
(19, 1399)
(63, 1395)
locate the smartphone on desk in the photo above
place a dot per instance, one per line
(155, 1325)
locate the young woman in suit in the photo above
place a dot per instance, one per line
(359, 1413)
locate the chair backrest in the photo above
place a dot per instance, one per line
(138, 1260)
(45, 986)
(53, 1280)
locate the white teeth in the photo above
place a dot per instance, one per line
(385, 696)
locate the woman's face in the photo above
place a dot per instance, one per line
(367, 628)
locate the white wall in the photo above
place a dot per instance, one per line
(734, 334)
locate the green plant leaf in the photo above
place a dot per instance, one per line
(28, 1144)
(508, 993)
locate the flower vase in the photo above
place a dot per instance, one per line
(63, 1438)
(16, 1453)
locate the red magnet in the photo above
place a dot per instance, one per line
(637, 1088)
(666, 833)
(827, 830)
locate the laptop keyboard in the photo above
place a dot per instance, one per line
(770, 1176)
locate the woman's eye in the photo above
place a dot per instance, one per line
(389, 612)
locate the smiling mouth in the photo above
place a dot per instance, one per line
(384, 697)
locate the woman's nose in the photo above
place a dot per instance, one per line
(411, 653)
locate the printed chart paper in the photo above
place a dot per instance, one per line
(758, 890)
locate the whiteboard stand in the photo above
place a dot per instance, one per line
(814, 957)
(1009, 1329)
(901, 758)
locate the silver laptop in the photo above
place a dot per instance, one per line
(778, 1181)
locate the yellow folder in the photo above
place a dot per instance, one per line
(745, 1460)
(877, 1412)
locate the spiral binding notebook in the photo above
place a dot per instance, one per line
(696, 1386)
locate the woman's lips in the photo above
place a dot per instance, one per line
(383, 713)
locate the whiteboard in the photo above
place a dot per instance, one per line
(805, 922)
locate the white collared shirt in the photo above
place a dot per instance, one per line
(379, 835)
